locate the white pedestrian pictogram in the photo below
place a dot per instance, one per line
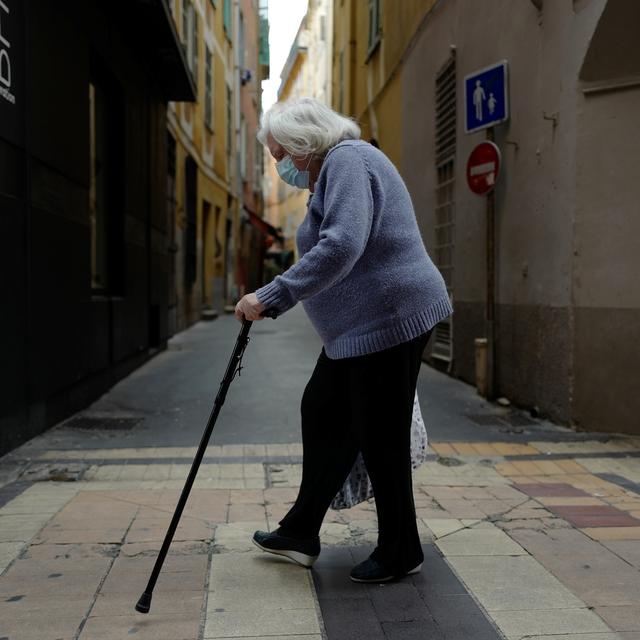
(492, 102)
(478, 97)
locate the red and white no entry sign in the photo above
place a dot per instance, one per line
(483, 168)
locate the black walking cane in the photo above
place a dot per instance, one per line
(144, 604)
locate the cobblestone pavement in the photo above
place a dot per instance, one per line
(524, 537)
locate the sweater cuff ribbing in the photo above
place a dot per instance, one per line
(274, 295)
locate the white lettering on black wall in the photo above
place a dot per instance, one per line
(5, 60)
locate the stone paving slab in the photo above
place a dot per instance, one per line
(586, 636)
(38, 606)
(595, 574)
(613, 533)
(554, 501)
(306, 636)
(627, 467)
(621, 618)
(595, 516)
(115, 603)
(497, 545)
(483, 448)
(56, 628)
(550, 489)
(517, 625)
(251, 594)
(234, 624)
(150, 627)
(629, 443)
(479, 542)
(433, 604)
(628, 550)
(512, 583)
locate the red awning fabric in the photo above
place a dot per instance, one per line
(263, 225)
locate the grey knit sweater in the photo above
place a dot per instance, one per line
(364, 276)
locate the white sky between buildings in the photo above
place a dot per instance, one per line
(284, 19)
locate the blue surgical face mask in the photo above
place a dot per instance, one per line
(291, 175)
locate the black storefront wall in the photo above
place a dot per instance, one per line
(63, 345)
(60, 329)
(12, 65)
(13, 223)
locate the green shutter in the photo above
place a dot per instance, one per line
(227, 17)
(264, 41)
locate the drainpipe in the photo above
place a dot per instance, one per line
(491, 295)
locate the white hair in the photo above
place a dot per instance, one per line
(305, 126)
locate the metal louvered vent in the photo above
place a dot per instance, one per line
(442, 345)
(446, 111)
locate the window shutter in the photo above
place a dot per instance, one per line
(442, 345)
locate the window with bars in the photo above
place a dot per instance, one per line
(186, 4)
(229, 122)
(442, 346)
(191, 227)
(374, 25)
(243, 148)
(194, 45)
(208, 89)
(241, 42)
(190, 37)
(445, 183)
(258, 165)
(341, 105)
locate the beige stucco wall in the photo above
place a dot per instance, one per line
(537, 186)
(606, 293)
(566, 202)
(607, 225)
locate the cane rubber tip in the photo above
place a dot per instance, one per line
(144, 604)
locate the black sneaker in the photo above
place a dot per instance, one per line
(372, 571)
(304, 552)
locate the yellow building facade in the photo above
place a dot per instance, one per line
(205, 144)
(370, 42)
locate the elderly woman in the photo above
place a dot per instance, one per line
(373, 295)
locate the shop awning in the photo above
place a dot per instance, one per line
(266, 228)
(153, 33)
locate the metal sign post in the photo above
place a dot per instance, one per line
(491, 279)
(486, 98)
(483, 168)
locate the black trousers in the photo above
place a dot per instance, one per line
(364, 403)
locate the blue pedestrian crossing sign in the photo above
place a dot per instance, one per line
(486, 97)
